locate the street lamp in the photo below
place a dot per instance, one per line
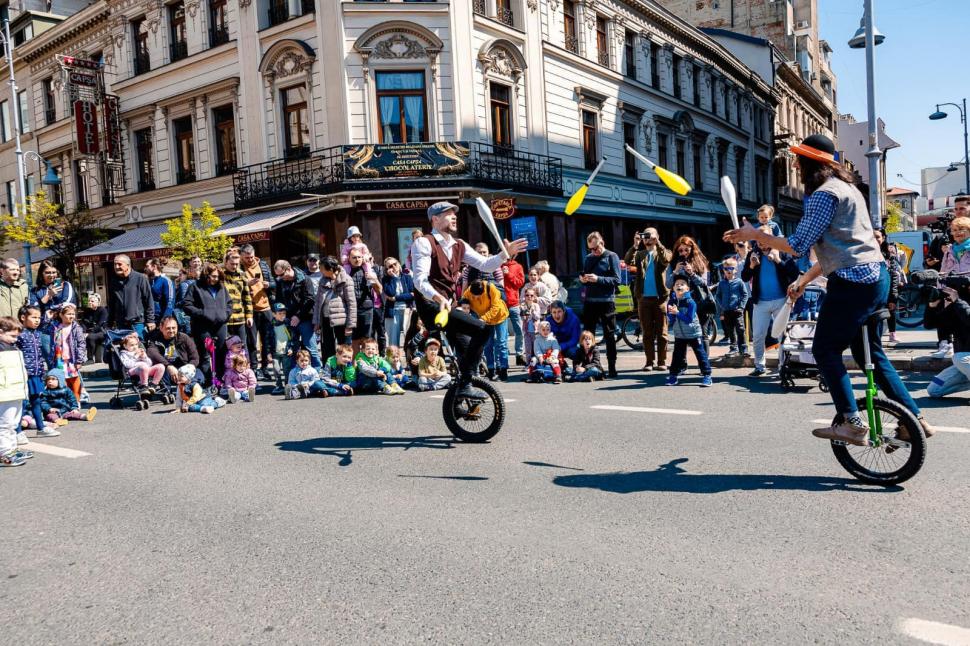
(868, 36)
(936, 116)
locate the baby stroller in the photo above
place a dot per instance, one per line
(795, 359)
(127, 389)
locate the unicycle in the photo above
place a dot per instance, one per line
(897, 446)
(472, 419)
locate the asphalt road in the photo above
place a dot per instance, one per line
(360, 521)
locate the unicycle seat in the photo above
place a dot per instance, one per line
(878, 316)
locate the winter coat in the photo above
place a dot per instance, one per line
(606, 267)
(163, 293)
(13, 374)
(195, 394)
(403, 294)
(951, 265)
(30, 345)
(489, 307)
(237, 286)
(13, 297)
(296, 296)
(585, 359)
(207, 310)
(300, 375)
(130, 300)
(131, 359)
(955, 316)
(684, 324)
(282, 339)
(95, 320)
(335, 302)
(230, 355)
(732, 294)
(77, 343)
(514, 280)
(567, 332)
(240, 380)
(67, 295)
(180, 351)
(546, 348)
(61, 398)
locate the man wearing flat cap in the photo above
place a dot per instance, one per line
(437, 259)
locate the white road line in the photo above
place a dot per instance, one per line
(59, 451)
(934, 632)
(507, 401)
(942, 429)
(642, 409)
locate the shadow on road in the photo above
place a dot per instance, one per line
(463, 478)
(343, 447)
(670, 477)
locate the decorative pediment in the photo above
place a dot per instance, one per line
(285, 58)
(502, 58)
(398, 40)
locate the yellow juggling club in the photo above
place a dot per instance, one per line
(441, 318)
(674, 182)
(577, 198)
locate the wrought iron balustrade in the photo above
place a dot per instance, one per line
(178, 50)
(505, 16)
(572, 44)
(218, 35)
(479, 6)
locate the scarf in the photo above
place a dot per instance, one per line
(960, 249)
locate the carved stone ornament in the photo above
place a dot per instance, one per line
(399, 46)
(244, 3)
(711, 151)
(648, 129)
(192, 7)
(554, 5)
(500, 62)
(532, 4)
(589, 14)
(290, 63)
(619, 30)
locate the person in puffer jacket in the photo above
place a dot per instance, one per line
(31, 346)
(240, 380)
(686, 329)
(58, 402)
(13, 392)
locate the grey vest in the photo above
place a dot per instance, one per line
(849, 240)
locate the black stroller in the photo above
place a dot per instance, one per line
(127, 393)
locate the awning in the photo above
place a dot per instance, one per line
(140, 243)
(254, 227)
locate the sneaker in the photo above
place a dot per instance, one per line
(732, 353)
(85, 397)
(233, 396)
(11, 460)
(91, 413)
(220, 402)
(60, 421)
(304, 390)
(945, 351)
(260, 375)
(48, 431)
(660, 367)
(398, 390)
(671, 380)
(707, 381)
(291, 392)
(279, 390)
(557, 380)
(22, 438)
(851, 431)
(252, 394)
(758, 372)
(470, 392)
(520, 360)
(24, 455)
(647, 367)
(208, 410)
(892, 338)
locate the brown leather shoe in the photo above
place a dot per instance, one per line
(844, 432)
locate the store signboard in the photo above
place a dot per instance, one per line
(503, 209)
(86, 127)
(402, 161)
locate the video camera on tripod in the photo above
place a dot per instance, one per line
(931, 284)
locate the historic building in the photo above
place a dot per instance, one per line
(296, 119)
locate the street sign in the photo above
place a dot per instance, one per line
(525, 227)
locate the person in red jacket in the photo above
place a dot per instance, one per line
(514, 281)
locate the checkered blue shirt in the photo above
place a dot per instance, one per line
(819, 211)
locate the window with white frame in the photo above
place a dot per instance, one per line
(402, 106)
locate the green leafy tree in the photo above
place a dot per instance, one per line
(46, 225)
(194, 234)
(894, 218)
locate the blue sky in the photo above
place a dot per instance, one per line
(925, 59)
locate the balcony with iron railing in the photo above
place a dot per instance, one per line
(572, 43)
(50, 115)
(178, 50)
(327, 171)
(142, 63)
(603, 57)
(505, 16)
(479, 7)
(218, 35)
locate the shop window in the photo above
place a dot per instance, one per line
(184, 150)
(146, 165)
(296, 125)
(569, 25)
(401, 107)
(225, 125)
(501, 115)
(630, 139)
(590, 150)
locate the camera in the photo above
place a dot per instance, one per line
(942, 227)
(929, 282)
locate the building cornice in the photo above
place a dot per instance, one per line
(91, 17)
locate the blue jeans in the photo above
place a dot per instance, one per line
(678, 362)
(139, 329)
(206, 401)
(497, 347)
(371, 385)
(846, 307)
(589, 374)
(515, 320)
(35, 386)
(394, 325)
(303, 336)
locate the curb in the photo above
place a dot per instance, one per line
(902, 364)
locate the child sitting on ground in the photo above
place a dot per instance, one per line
(240, 381)
(58, 402)
(432, 372)
(13, 391)
(282, 346)
(69, 347)
(235, 347)
(373, 372)
(545, 360)
(732, 297)
(686, 330)
(355, 242)
(339, 373)
(586, 361)
(305, 381)
(138, 365)
(192, 396)
(400, 373)
(30, 346)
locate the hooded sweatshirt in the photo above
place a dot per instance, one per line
(566, 332)
(61, 398)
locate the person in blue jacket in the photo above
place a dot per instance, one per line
(565, 326)
(163, 289)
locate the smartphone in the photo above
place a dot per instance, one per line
(57, 282)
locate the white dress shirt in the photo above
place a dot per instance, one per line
(421, 254)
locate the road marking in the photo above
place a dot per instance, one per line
(942, 429)
(507, 401)
(59, 451)
(643, 409)
(934, 632)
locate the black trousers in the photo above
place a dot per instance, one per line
(605, 315)
(262, 331)
(466, 334)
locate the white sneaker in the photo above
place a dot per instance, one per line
(233, 396)
(48, 431)
(22, 439)
(945, 351)
(208, 410)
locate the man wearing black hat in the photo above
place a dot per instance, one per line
(838, 225)
(436, 261)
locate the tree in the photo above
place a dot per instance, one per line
(194, 234)
(45, 225)
(894, 218)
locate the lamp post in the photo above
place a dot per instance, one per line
(936, 116)
(867, 36)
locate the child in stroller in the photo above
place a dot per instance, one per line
(127, 363)
(795, 359)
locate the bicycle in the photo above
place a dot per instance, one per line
(469, 419)
(909, 306)
(892, 456)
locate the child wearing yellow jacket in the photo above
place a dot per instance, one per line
(485, 300)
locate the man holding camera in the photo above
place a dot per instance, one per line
(947, 308)
(648, 260)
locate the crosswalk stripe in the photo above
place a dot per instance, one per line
(59, 451)
(941, 429)
(644, 409)
(934, 632)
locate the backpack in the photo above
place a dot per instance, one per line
(700, 291)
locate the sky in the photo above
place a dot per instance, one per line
(925, 59)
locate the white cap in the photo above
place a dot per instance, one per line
(353, 231)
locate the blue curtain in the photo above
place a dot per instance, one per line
(414, 117)
(391, 119)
